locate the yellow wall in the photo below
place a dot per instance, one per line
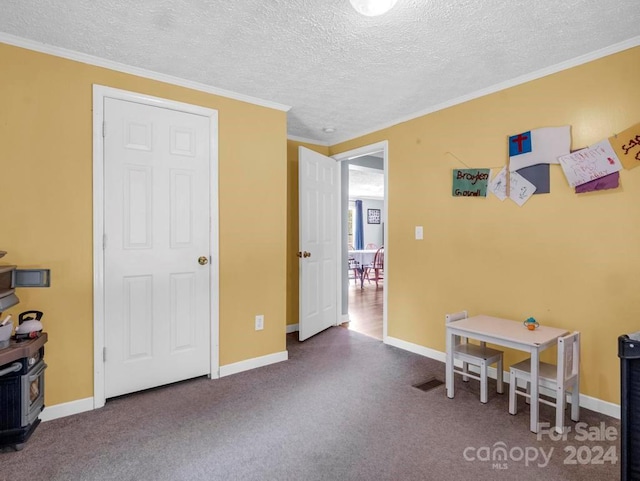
(46, 172)
(571, 261)
(292, 226)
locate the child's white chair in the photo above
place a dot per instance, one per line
(563, 377)
(478, 355)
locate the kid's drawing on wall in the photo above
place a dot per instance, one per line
(520, 189)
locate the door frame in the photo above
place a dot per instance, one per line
(100, 92)
(352, 154)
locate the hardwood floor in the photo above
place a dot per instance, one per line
(365, 309)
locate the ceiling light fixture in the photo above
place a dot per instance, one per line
(372, 8)
(329, 130)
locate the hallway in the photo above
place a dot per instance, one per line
(365, 309)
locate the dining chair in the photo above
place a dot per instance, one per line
(560, 378)
(354, 266)
(377, 266)
(477, 355)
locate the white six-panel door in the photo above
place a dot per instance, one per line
(318, 192)
(156, 225)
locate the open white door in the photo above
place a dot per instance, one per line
(318, 193)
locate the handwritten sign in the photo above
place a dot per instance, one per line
(590, 164)
(627, 146)
(470, 182)
(520, 189)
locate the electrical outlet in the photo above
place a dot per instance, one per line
(259, 322)
(419, 232)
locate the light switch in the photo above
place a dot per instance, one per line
(419, 233)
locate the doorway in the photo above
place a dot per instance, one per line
(364, 179)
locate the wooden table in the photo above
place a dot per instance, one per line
(504, 332)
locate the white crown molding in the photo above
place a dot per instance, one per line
(582, 59)
(307, 141)
(140, 72)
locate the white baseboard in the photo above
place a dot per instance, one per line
(600, 406)
(254, 363)
(87, 404)
(588, 402)
(416, 349)
(296, 327)
(67, 409)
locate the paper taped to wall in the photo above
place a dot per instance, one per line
(539, 146)
(590, 164)
(520, 189)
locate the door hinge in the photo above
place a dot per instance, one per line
(104, 354)
(104, 241)
(104, 129)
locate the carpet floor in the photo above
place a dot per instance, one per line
(343, 407)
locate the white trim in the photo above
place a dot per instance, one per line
(87, 404)
(382, 146)
(365, 197)
(101, 92)
(248, 364)
(100, 62)
(98, 257)
(140, 72)
(338, 246)
(559, 67)
(67, 409)
(600, 406)
(588, 402)
(295, 138)
(292, 328)
(416, 349)
(119, 67)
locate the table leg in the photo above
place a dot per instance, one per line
(449, 365)
(535, 390)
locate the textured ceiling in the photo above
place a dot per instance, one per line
(333, 66)
(366, 183)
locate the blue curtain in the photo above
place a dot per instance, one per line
(359, 226)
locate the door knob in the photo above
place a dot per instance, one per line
(299, 254)
(306, 254)
(202, 260)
